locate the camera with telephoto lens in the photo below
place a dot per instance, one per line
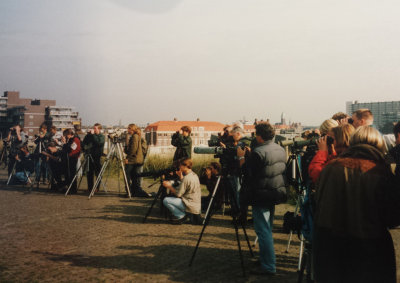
(299, 143)
(117, 136)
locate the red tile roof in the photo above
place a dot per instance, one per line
(172, 126)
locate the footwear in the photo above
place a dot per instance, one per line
(196, 219)
(179, 221)
(259, 271)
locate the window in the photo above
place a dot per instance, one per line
(201, 128)
(30, 116)
(30, 123)
(30, 130)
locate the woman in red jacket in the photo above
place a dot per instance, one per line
(328, 151)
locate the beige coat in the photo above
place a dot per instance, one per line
(190, 193)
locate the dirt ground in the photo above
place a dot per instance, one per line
(47, 237)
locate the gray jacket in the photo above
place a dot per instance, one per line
(266, 182)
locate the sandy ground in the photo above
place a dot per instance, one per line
(47, 237)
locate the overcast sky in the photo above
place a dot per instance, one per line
(149, 60)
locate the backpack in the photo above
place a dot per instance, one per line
(144, 146)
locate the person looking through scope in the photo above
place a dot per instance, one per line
(56, 136)
(209, 178)
(16, 138)
(136, 150)
(54, 159)
(362, 117)
(357, 200)
(187, 198)
(183, 143)
(93, 148)
(42, 140)
(264, 186)
(329, 147)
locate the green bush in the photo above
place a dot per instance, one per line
(161, 162)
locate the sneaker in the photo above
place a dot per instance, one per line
(179, 221)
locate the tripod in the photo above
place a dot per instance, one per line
(156, 197)
(235, 221)
(116, 152)
(39, 163)
(297, 181)
(14, 171)
(84, 165)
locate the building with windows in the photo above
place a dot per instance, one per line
(62, 117)
(158, 135)
(384, 112)
(31, 113)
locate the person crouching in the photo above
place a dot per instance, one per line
(188, 195)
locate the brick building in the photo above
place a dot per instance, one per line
(31, 113)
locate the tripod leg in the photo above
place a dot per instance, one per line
(73, 180)
(99, 177)
(120, 151)
(301, 252)
(296, 210)
(12, 172)
(83, 165)
(247, 239)
(103, 168)
(212, 199)
(153, 203)
(235, 220)
(207, 219)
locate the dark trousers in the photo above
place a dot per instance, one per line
(72, 161)
(94, 168)
(56, 172)
(135, 182)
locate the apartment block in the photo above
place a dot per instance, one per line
(62, 117)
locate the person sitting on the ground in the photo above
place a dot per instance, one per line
(24, 166)
(188, 195)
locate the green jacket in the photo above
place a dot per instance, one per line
(183, 146)
(94, 144)
(133, 150)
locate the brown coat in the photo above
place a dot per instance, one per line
(134, 153)
(357, 195)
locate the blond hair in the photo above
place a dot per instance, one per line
(342, 134)
(327, 125)
(370, 136)
(135, 129)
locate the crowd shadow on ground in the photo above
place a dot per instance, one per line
(210, 264)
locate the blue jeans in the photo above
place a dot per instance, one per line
(21, 177)
(176, 206)
(234, 182)
(40, 169)
(263, 218)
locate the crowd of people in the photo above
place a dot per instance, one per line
(350, 169)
